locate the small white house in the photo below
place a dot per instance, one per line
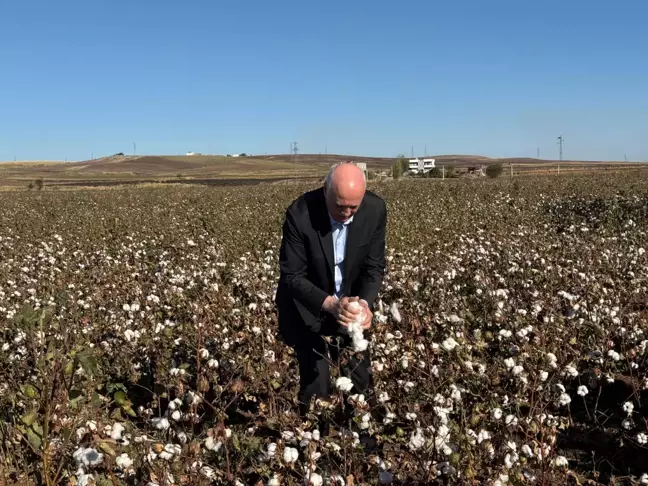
(421, 165)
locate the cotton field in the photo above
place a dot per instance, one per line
(509, 344)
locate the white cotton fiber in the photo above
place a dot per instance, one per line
(355, 329)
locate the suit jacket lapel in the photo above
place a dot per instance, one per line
(355, 231)
(326, 240)
(326, 237)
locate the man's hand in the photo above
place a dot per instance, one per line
(340, 310)
(368, 314)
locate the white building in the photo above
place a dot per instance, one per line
(421, 165)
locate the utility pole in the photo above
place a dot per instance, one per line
(443, 172)
(511, 167)
(412, 151)
(560, 143)
(426, 150)
(538, 153)
(294, 151)
(134, 149)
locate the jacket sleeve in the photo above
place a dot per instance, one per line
(293, 263)
(373, 267)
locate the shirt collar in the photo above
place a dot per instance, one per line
(334, 223)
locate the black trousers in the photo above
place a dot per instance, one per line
(315, 357)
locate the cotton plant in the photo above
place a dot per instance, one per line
(476, 319)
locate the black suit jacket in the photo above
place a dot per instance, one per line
(307, 266)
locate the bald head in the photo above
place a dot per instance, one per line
(345, 188)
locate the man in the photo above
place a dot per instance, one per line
(332, 253)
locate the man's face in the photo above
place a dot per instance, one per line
(342, 204)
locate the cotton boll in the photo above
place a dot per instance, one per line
(417, 440)
(116, 431)
(123, 461)
(174, 404)
(354, 329)
(449, 344)
(87, 457)
(173, 449)
(571, 371)
(288, 436)
(561, 461)
(193, 398)
(212, 445)
(315, 479)
(161, 423)
(483, 435)
(614, 355)
(165, 455)
(85, 479)
(510, 460)
(344, 384)
(393, 310)
(290, 455)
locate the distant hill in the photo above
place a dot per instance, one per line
(209, 167)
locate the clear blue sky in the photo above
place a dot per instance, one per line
(490, 77)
